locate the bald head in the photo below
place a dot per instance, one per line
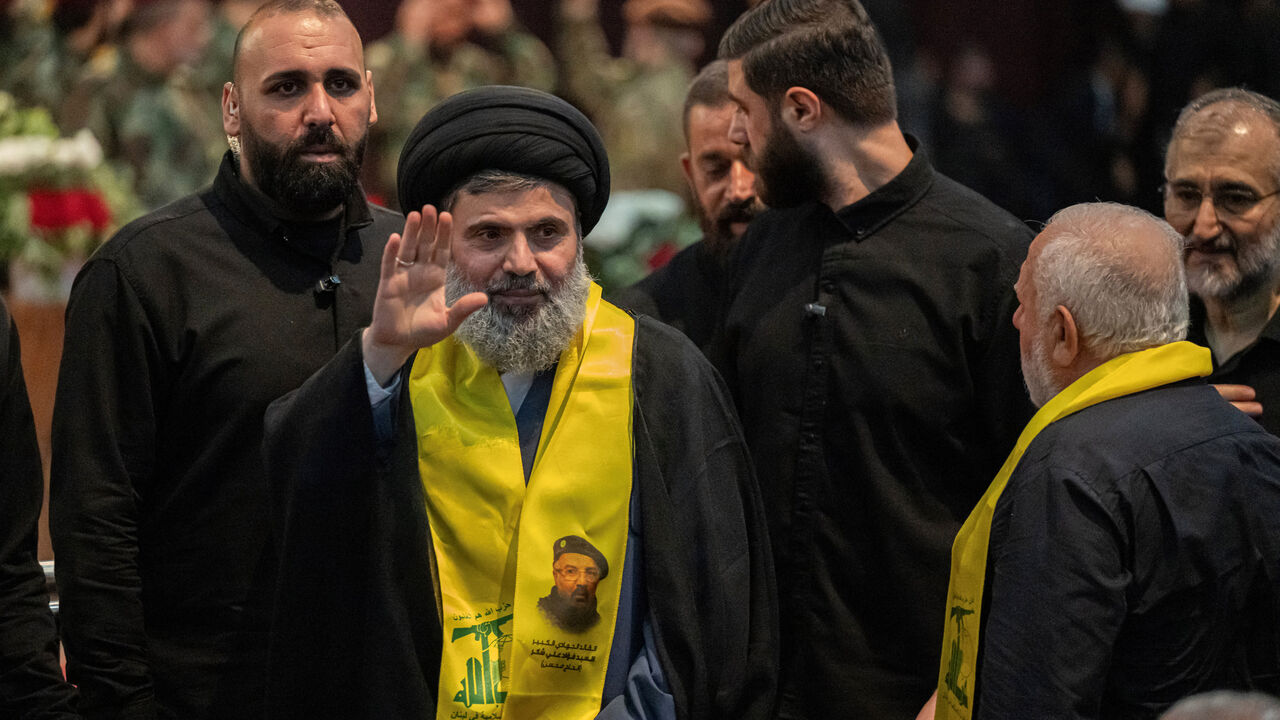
(327, 9)
(1118, 270)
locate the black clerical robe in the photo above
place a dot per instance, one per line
(356, 632)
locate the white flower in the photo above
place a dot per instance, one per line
(82, 151)
(22, 153)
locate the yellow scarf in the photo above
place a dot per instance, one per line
(1124, 375)
(511, 648)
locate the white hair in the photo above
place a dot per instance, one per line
(1123, 298)
(1225, 705)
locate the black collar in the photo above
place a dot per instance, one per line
(877, 209)
(244, 202)
(1198, 331)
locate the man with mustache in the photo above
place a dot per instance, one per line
(577, 568)
(867, 342)
(1222, 176)
(685, 292)
(498, 417)
(180, 331)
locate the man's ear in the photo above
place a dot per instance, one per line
(1064, 338)
(231, 109)
(373, 107)
(801, 109)
(686, 164)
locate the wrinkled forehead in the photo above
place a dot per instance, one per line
(513, 199)
(1227, 135)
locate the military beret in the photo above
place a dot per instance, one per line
(512, 129)
(575, 544)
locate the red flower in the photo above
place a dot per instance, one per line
(662, 255)
(58, 209)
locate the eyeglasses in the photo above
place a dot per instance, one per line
(571, 573)
(1183, 200)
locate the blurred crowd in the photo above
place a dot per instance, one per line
(1036, 105)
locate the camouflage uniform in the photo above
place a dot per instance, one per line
(637, 108)
(36, 66)
(215, 69)
(409, 81)
(166, 131)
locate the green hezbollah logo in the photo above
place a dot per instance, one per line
(484, 675)
(955, 663)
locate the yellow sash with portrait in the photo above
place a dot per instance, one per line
(1120, 376)
(503, 654)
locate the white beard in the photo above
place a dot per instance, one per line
(1243, 271)
(1037, 374)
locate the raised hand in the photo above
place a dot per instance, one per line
(409, 311)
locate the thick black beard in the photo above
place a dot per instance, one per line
(718, 231)
(303, 187)
(565, 615)
(788, 175)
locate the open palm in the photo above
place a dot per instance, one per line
(410, 311)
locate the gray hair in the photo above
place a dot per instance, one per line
(1238, 97)
(1124, 298)
(491, 181)
(1225, 705)
(1236, 104)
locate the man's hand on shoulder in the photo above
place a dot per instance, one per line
(410, 311)
(1243, 397)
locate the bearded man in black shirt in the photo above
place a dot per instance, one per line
(868, 342)
(685, 293)
(180, 331)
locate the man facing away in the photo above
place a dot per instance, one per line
(180, 331)
(868, 345)
(1128, 553)
(1222, 177)
(496, 406)
(685, 293)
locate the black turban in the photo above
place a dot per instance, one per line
(579, 545)
(513, 129)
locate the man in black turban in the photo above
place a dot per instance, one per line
(498, 416)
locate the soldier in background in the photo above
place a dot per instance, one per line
(440, 48)
(635, 100)
(228, 17)
(148, 111)
(42, 57)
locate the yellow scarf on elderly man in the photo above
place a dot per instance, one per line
(505, 654)
(1124, 375)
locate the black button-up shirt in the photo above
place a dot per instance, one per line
(1257, 366)
(876, 370)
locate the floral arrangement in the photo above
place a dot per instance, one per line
(58, 199)
(640, 231)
